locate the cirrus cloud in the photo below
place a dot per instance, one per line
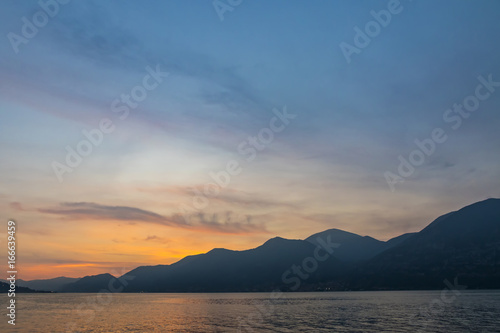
(227, 222)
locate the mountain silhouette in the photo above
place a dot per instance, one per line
(89, 284)
(5, 287)
(355, 247)
(55, 284)
(399, 239)
(257, 269)
(464, 244)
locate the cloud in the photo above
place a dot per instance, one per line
(254, 201)
(82, 210)
(155, 238)
(67, 261)
(16, 206)
(229, 196)
(92, 31)
(226, 222)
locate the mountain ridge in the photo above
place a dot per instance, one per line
(446, 246)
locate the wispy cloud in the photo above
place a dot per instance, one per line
(233, 197)
(156, 239)
(16, 206)
(226, 222)
(80, 210)
(92, 31)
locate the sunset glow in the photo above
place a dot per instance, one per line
(139, 139)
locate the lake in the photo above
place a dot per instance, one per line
(394, 311)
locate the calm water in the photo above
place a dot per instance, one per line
(471, 311)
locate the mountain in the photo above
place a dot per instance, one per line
(55, 284)
(399, 239)
(352, 247)
(89, 284)
(464, 244)
(258, 269)
(355, 248)
(221, 270)
(5, 287)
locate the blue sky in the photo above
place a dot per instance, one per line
(324, 170)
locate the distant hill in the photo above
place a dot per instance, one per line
(463, 244)
(89, 284)
(355, 247)
(221, 270)
(257, 269)
(55, 284)
(399, 239)
(4, 289)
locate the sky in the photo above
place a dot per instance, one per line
(137, 133)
